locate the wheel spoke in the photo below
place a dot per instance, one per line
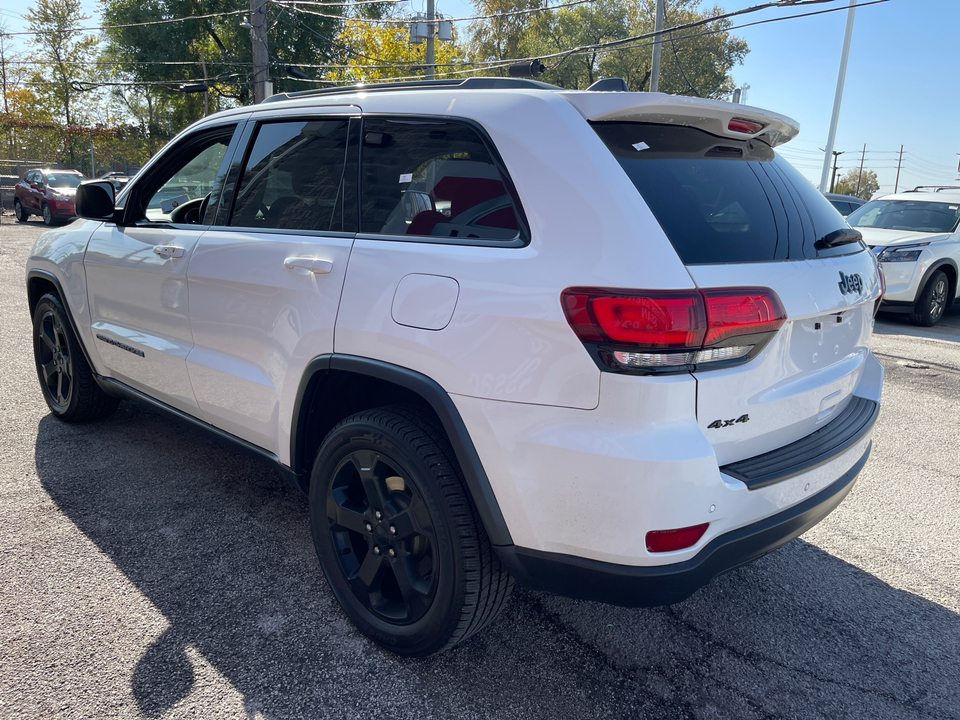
(368, 576)
(365, 462)
(50, 342)
(415, 592)
(347, 519)
(412, 521)
(49, 370)
(61, 393)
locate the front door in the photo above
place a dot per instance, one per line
(137, 272)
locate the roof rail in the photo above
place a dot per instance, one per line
(470, 83)
(935, 188)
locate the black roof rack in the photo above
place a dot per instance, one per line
(935, 188)
(470, 83)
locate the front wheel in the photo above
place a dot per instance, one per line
(19, 211)
(67, 382)
(399, 540)
(47, 215)
(932, 301)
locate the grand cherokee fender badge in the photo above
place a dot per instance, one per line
(728, 423)
(122, 346)
(850, 283)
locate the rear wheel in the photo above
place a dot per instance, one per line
(399, 540)
(47, 215)
(932, 301)
(19, 211)
(66, 379)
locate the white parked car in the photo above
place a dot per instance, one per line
(915, 236)
(605, 344)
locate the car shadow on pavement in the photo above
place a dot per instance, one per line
(221, 547)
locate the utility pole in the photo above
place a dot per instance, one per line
(431, 40)
(863, 155)
(899, 162)
(833, 180)
(844, 56)
(261, 56)
(655, 70)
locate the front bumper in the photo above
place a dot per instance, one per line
(665, 584)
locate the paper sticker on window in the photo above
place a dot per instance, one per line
(406, 177)
(641, 146)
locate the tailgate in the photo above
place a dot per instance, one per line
(806, 375)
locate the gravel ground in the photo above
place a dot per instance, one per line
(148, 573)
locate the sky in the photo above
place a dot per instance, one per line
(900, 86)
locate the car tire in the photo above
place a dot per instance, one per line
(19, 211)
(67, 382)
(399, 540)
(47, 215)
(932, 301)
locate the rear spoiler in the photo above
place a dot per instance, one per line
(713, 116)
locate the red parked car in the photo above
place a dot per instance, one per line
(48, 193)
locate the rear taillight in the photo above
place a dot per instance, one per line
(672, 331)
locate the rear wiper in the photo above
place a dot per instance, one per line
(843, 236)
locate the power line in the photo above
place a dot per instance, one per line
(296, 6)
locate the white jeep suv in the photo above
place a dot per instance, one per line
(916, 237)
(605, 344)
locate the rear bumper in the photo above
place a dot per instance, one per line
(665, 584)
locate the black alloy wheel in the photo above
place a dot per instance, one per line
(933, 300)
(399, 539)
(18, 210)
(54, 359)
(384, 536)
(69, 387)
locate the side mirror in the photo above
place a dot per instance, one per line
(96, 200)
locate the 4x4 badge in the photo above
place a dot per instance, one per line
(850, 283)
(727, 423)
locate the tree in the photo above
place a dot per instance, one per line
(157, 58)
(64, 55)
(383, 51)
(694, 61)
(853, 184)
(497, 39)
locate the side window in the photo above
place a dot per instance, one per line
(179, 189)
(433, 178)
(293, 177)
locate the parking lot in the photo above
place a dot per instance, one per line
(148, 572)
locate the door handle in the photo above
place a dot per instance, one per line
(314, 265)
(168, 251)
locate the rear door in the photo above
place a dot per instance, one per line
(741, 217)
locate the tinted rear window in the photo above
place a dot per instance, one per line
(721, 200)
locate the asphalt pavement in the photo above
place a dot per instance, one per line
(146, 572)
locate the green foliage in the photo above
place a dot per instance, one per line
(218, 49)
(373, 46)
(64, 55)
(851, 183)
(692, 63)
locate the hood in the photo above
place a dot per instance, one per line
(881, 237)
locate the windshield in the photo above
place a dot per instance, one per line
(909, 215)
(64, 181)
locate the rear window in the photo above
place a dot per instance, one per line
(721, 200)
(911, 215)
